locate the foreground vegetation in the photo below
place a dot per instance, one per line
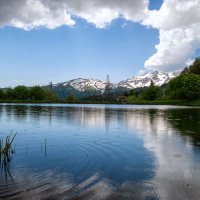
(6, 150)
(182, 90)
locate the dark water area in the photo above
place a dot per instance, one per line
(101, 152)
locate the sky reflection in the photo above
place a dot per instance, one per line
(152, 147)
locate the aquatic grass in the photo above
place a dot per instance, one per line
(7, 149)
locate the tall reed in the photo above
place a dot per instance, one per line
(7, 149)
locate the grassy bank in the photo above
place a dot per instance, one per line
(133, 100)
(130, 101)
(58, 102)
(30, 101)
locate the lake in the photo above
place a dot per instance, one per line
(101, 152)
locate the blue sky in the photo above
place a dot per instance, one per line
(82, 51)
(41, 55)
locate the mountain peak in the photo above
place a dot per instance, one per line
(144, 80)
(82, 84)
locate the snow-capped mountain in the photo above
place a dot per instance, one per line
(82, 88)
(82, 84)
(144, 80)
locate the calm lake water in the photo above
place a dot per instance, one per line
(102, 152)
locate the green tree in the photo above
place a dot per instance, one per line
(185, 71)
(50, 95)
(195, 67)
(9, 94)
(126, 94)
(152, 92)
(70, 99)
(2, 94)
(21, 92)
(36, 93)
(192, 86)
(175, 87)
(184, 87)
(132, 92)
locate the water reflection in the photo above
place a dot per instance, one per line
(107, 152)
(5, 170)
(51, 186)
(177, 164)
(187, 122)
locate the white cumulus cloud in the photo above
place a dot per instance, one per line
(178, 22)
(28, 14)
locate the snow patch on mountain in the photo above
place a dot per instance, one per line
(144, 80)
(82, 84)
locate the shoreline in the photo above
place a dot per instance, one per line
(156, 102)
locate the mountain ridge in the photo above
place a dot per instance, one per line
(138, 81)
(144, 80)
(85, 87)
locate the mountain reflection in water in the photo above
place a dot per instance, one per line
(102, 152)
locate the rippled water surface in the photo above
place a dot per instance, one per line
(101, 152)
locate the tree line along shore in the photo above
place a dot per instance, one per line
(182, 90)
